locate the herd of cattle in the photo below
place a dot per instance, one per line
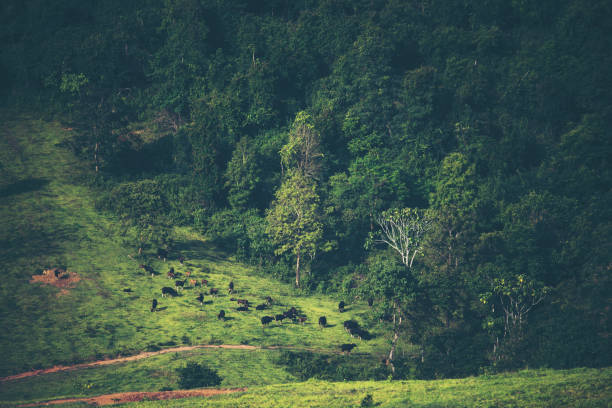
(350, 326)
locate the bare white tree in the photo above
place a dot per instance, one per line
(404, 230)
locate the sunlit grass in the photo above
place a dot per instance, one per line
(53, 222)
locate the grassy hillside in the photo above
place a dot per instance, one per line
(574, 388)
(48, 219)
(528, 388)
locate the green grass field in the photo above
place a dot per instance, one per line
(527, 388)
(48, 219)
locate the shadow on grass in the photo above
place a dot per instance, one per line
(195, 249)
(23, 186)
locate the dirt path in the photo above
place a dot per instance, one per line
(148, 354)
(135, 357)
(123, 397)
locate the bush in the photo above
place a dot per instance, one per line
(195, 375)
(305, 365)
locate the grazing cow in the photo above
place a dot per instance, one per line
(128, 290)
(179, 284)
(168, 291)
(266, 320)
(302, 319)
(269, 300)
(322, 321)
(291, 313)
(171, 274)
(181, 259)
(370, 302)
(341, 306)
(279, 318)
(231, 287)
(200, 298)
(147, 268)
(242, 309)
(347, 347)
(261, 307)
(232, 299)
(193, 282)
(213, 291)
(221, 315)
(243, 302)
(154, 305)
(162, 253)
(204, 282)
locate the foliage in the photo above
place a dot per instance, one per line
(492, 118)
(305, 365)
(293, 219)
(195, 375)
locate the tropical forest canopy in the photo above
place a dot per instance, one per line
(448, 161)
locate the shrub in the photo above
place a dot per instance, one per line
(195, 375)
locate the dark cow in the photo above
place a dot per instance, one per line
(291, 313)
(266, 320)
(243, 302)
(221, 315)
(242, 309)
(204, 282)
(261, 307)
(200, 298)
(232, 299)
(128, 290)
(147, 268)
(341, 306)
(231, 287)
(269, 300)
(179, 284)
(162, 253)
(154, 305)
(279, 318)
(213, 291)
(347, 347)
(370, 302)
(181, 259)
(171, 274)
(322, 321)
(168, 291)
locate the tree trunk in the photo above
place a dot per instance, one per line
(297, 270)
(392, 351)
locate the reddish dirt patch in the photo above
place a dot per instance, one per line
(124, 397)
(59, 278)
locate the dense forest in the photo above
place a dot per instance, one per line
(446, 161)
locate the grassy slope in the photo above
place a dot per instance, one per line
(47, 218)
(528, 388)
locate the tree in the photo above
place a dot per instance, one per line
(242, 175)
(516, 296)
(303, 150)
(293, 219)
(404, 231)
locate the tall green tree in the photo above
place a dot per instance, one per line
(293, 219)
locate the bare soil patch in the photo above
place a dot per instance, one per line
(123, 397)
(58, 277)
